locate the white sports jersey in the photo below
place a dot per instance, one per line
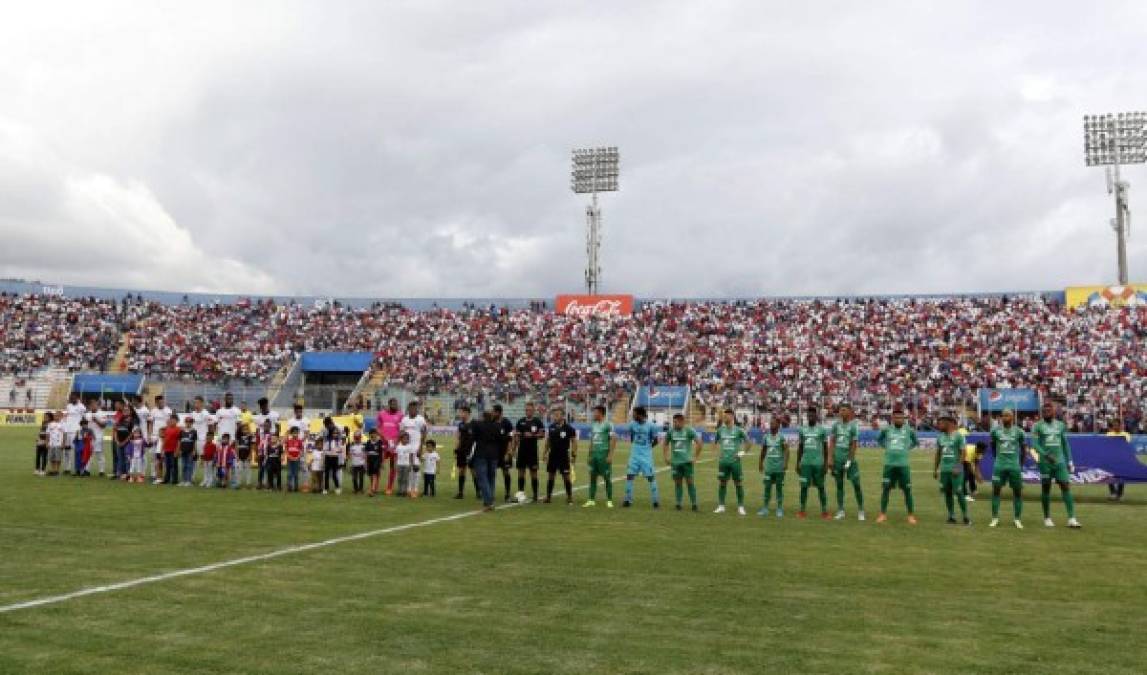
(143, 416)
(73, 413)
(406, 454)
(96, 422)
(301, 423)
(260, 419)
(228, 421)
(415, 428)
(159, 418)
(55, 435)
(357, 455)
(200, 420)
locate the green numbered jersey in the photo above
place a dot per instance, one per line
(951, 450)
(599, 433)
(843, 436)
(774, 453)
(730, 440)
(1009, 442)
(897, 443)
(1050, 440)
(813, 441)
(681, 445)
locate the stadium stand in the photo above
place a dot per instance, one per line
(758, 354)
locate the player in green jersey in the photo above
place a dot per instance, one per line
(680, 449)
(898, 440)
(812, 458)
(843, 442)
(728, 442)
(949, 467)
(774, 463)
(1008, 451)
(1049, 439)
(602, 443)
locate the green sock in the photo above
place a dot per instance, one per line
(804, 495)
(995, 505)
(608, 488)
(1017, 505)
(721, 490)
(884, 498)
(948, 503)
(1069, 502)
(839, 495)
(677, 491)
(592, 486)
(859, 495)
(740, 494)
(823, 499)
(768, 493)
(1045, 499)
(780, 496)
(908, 501)
(693, 494)
(962, 502)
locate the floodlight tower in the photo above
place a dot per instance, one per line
(1112, 140)
(594, 170)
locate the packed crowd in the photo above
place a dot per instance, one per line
(925, 354)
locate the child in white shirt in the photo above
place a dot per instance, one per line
(407, 457)
(430, 469)
(357, 453)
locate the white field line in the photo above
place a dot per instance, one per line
(191, 571)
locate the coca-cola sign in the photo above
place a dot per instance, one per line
(601, 306)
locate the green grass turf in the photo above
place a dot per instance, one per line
(547, 588)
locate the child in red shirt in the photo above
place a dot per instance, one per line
(294, 457)
(225, 460)
(209, 449)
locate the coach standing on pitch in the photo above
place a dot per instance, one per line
(488, 451)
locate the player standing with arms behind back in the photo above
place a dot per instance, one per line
(1007, 449)
(898, 440)
(949, 467)
(529, 430)
(601, 445)
(774, 463)
(560, 452)
(642, 436)
(1049, 439)
(844, 441)
(812, 458)
(729, 440)
(681, 449)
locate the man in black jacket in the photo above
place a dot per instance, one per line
(488, 451)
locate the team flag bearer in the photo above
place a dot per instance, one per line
(845, 440)
(1008, 448)
(681, 449)
(949, 467)
(601, 446)
(643, 435)
(812, 458)
(898, 440)
(1049, 439)
(774, 463)
(729, 440)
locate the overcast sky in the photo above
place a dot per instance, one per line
(422, 148)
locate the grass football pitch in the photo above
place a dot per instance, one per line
(555, 589)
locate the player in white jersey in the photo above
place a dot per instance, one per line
(73, 413)
(227, 417)
(55, 442)
(97, 420)
(414, 426)
(157, 420)
(201, 421)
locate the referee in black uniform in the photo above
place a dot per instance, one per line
(561, 452)
(529, 430)
(463, 450)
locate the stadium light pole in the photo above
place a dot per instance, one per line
(1112, 140)
(594, 170)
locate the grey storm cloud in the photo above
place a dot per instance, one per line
(422, 148)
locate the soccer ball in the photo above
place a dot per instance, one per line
(521, 497)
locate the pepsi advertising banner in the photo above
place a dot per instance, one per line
(998, 400)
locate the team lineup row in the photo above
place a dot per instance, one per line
(228, 443)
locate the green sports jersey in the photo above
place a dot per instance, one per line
(681, 445)
(1009, 442)
(897, 442)
(729, 441)
(599, 433)
(774, 453)
(951, 450)
(843, 436)
(1050, 440)
(813, 441)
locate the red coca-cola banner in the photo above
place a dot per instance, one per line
(595, 305)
